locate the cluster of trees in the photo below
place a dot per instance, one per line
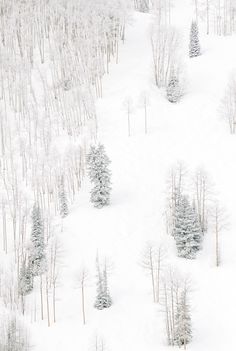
(14, 334)
(71, 47)
(162, 8)
(166, 55)
(54, 55)
(39, 271)
(170, 290)
(219, 17)
(188, 222)
(176, 302)
(129, 107)
(53, 58)
(228, 105)
(189, 217)
(103, 298)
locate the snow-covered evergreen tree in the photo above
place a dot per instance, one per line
(143, 5)
(99, 175)
(14, 335)
(63, 199)
(187, 231)
(173, 91)
(37, 257)
(194, 45)
(26, 281)
(183, 329)
(103, 298)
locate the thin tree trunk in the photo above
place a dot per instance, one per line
(41, 296)
(83, 304)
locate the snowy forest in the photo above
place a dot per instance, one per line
(117, 175)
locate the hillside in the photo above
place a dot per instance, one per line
(191, 132)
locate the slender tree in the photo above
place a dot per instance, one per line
(194, 45)
(83, 279)
(153, 258)
(183, 327)
(63, 199)
(103, 298)
(37, 257)
(26, 282)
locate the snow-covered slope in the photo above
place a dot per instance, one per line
(190, 131)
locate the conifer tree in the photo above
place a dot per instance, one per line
(144, 5)
(103, 298)
(173, 88)
(194, 45)
(99, 175)
(183, 330)
(14, 335)
(187, 230)
(37, 259)
(26, 282)
(63, 199)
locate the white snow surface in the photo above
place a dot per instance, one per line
(190, 131)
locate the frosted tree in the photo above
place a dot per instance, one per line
(194, 45)
(175, 186)
(183, 329)
(202, 192)
(142, 5)
(99, 343)
(103, 298)
(144, 102)
(37, 258)
(187, 230)
(129, 108)
(173, 90)
(82, 280)
(165, 44)
(100, 176)
(26, 282)
(228, 104)
(14, 335)
(153, 257)
(219, 223)
(63, 199)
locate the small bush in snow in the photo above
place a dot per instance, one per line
(173, 90)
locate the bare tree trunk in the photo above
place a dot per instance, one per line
(145, 115)
(208, 16)
(196, 10)
(217, 241)
(83, 305)
(47, 301)
(41, 296)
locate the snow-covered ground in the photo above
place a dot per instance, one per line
(191, 132)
